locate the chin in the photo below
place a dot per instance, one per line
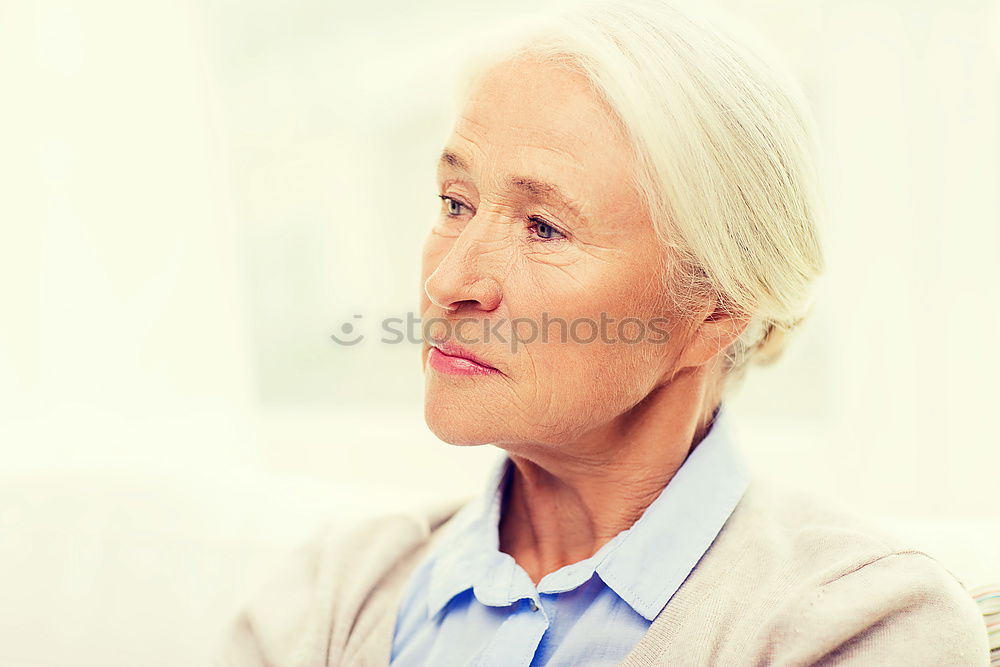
(457, 425)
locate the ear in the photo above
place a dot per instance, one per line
(717, 327)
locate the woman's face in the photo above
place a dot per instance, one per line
(539, 222)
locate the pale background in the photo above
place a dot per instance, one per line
(194, 195)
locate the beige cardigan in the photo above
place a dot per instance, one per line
(788, 581)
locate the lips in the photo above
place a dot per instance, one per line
(453, 350)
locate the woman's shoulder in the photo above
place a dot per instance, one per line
(330, 575)
(798, 579)
(806, 529)
(793, 537)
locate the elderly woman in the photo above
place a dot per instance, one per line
(628, 218)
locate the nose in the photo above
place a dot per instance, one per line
(462, 279)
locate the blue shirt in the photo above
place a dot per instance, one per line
(468, 603)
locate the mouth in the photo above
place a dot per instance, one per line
(447, 357)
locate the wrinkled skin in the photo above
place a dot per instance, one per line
(594, 429)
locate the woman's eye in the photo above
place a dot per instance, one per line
(545, 231)
(452, 206)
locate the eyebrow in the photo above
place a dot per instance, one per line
(533, 187)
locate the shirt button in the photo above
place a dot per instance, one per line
(534, 605)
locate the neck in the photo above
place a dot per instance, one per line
(563, 504)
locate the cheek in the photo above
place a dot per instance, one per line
(608, 340)
(578, 364)
(571, 388)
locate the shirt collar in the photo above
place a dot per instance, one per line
(644, 564)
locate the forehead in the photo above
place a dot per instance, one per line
(546, 121)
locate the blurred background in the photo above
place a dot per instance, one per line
(195, 195)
